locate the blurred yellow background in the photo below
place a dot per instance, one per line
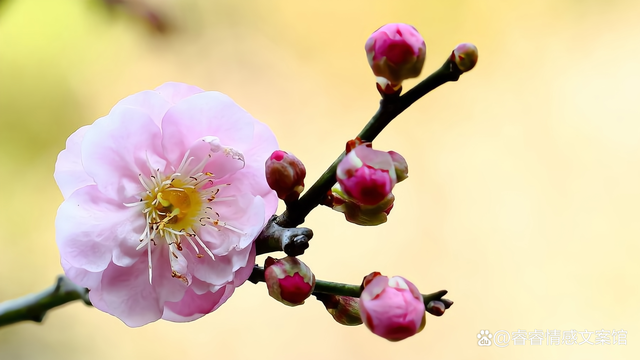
(524, 192)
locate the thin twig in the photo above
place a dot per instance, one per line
(389, 109)
(335, 288)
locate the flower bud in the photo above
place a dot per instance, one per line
(392, 308)
(289, 280)
(344, 309)
(396, 52)
(465, 56)
(367, 176)
(359, 214)
(285, 174)
(400, 165)
(436, 308)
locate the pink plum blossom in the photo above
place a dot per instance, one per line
(392, 308)
(163, 199)
(396, 52)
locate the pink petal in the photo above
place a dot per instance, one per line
(115, 151)
(193, 304)
(205, 114)
(375, 288)
(221, 270)
(243, 273)
(243, 212)
(69, 172)
(92, 228)
(375, 158)
(149, 102)
(128, 295)
(81, 277)
(174, 91)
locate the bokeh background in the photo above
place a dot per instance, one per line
(524, 192)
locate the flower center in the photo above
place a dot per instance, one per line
(174, 206)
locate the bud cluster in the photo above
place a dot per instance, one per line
(391, 307)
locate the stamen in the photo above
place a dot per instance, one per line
(137, 203)
(150, 265)
(204, 247)
(143, 181)
(172, 205)
(198, 255)
(227, 226)
(184, 162)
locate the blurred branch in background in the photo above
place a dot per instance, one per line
(141, 11)
(137, 9)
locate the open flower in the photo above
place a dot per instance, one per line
(164, 198)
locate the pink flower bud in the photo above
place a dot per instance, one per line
(289, 280)
(285, 174)
(367, 176)
(392, 308)
(359, 214)
(465, 56)
(400, 165)
(343, 309)
(396, 52)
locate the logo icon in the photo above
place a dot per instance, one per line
(484, 338)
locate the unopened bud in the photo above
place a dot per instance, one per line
(465, 56)
(400, 165)
(367, 176)
(396, 52)
(285, 174)
(343, 309)
(289, 280)
(436, 308)
(392, 308)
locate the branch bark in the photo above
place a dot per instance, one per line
(34, 307)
